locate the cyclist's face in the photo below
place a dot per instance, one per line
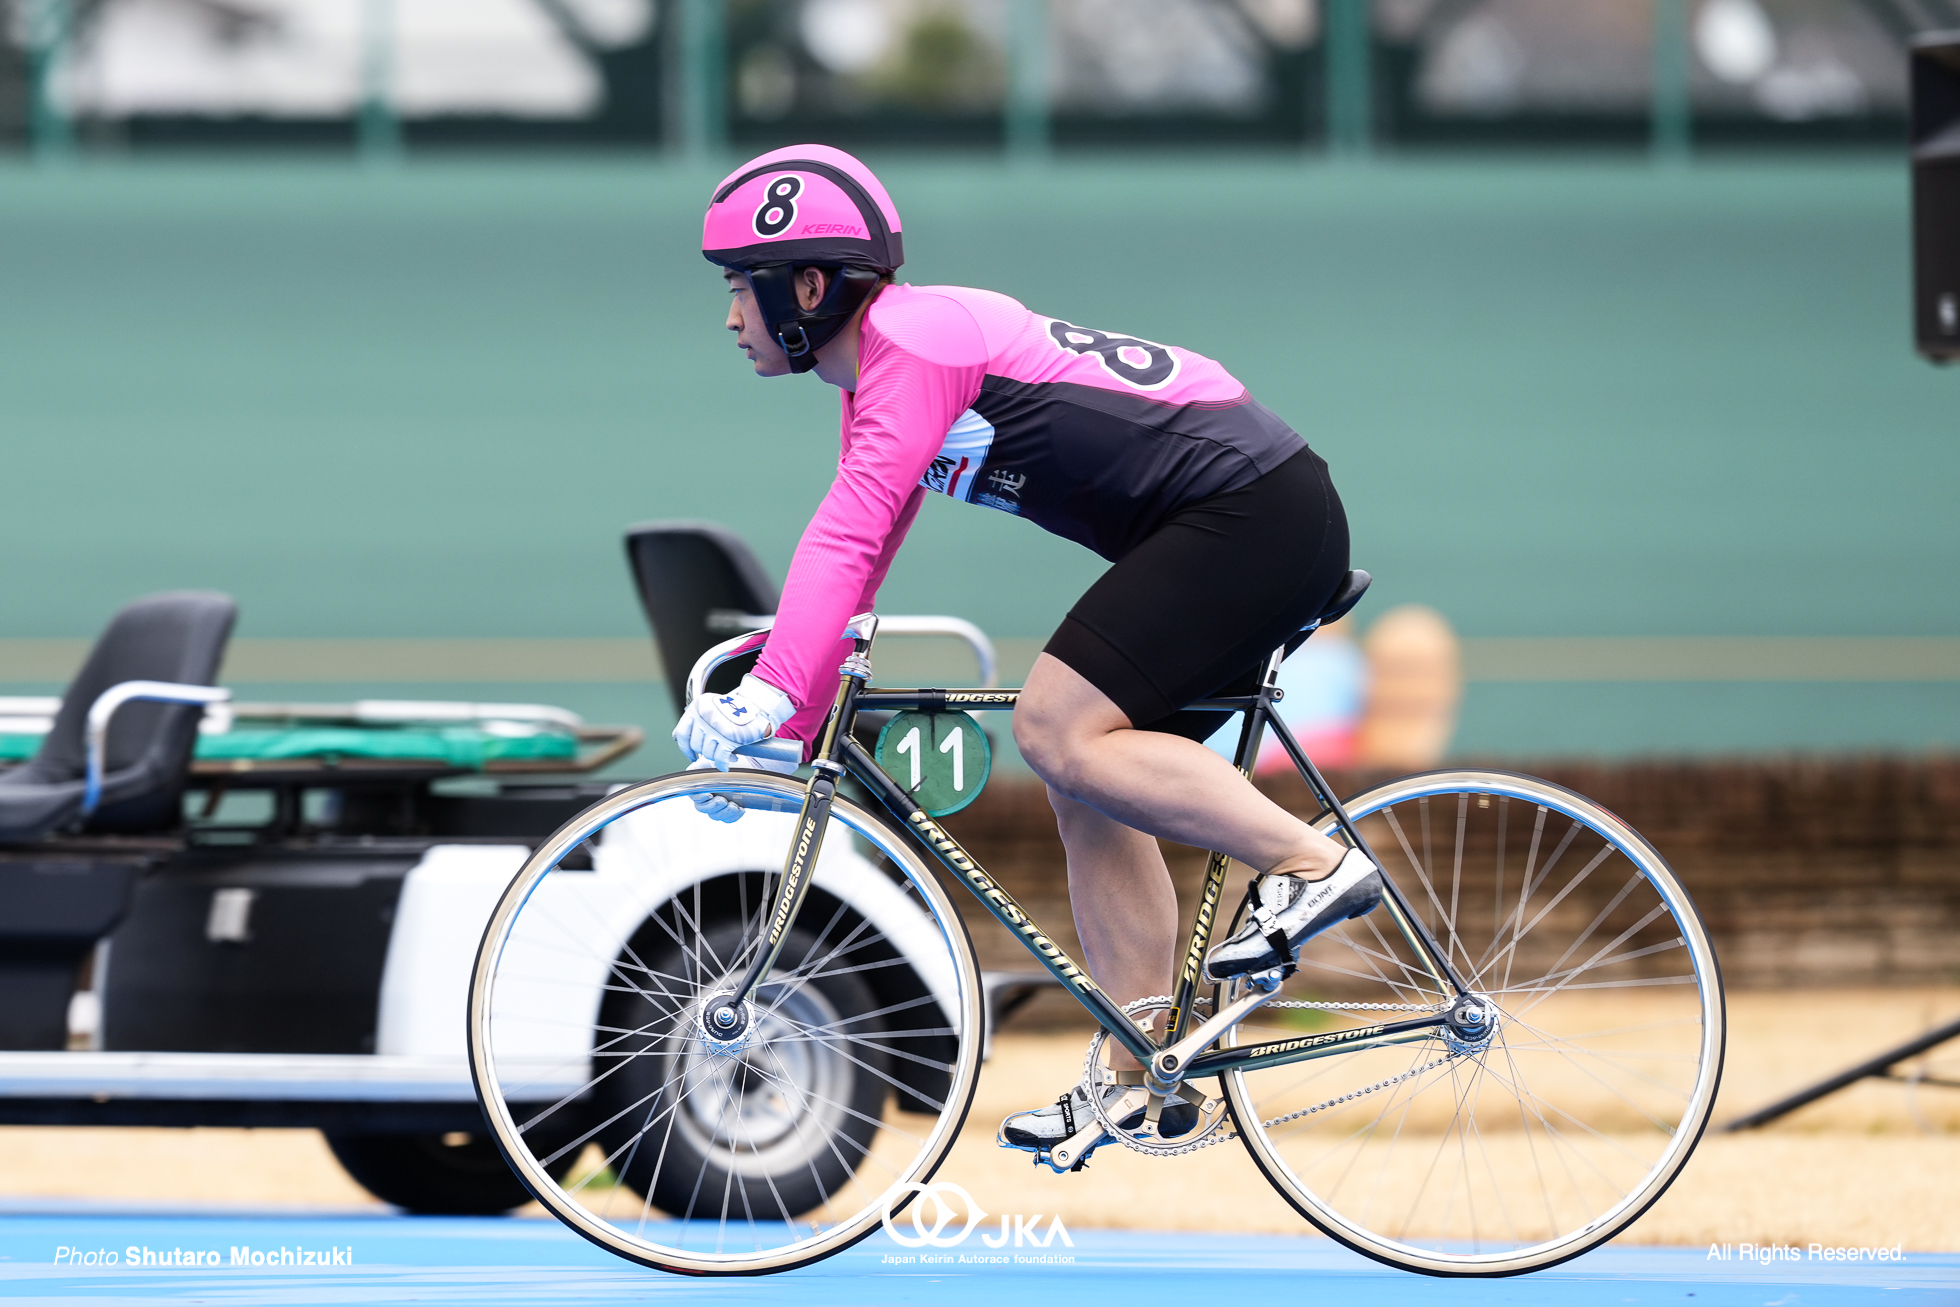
(751, 334)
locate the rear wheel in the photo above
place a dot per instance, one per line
(1515, 1149)
(770, 1149)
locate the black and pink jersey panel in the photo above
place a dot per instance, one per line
(1096, 436)
(1091, 435)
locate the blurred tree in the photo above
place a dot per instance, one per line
(1906, 18)
(632, 71)
(624, 45)
(13, 74)
(941, 64)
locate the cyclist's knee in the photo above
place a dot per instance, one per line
(1050, 749)
(1058, 721)
(1049, 758)
(1070, 813)
(1037, 740)
(1086, 832)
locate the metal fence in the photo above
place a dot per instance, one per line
(1027, 76)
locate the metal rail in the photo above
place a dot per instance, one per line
(104, 708)
(748, 626)
(310, 1077)
(1876, 1068)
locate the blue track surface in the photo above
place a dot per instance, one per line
(438, 1260)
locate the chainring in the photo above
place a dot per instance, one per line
(1097, 1077)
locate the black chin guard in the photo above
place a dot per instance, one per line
(802, 332)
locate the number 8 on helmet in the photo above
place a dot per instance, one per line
(804, 206)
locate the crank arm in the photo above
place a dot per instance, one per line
(1167, 1067)
(1065, 1155)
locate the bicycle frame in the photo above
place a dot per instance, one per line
(838, 754)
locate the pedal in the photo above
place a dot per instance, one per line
(1073, 1152)
(1269, 980)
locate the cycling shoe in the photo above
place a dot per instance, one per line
(1294, 910)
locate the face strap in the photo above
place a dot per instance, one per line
(803, 332)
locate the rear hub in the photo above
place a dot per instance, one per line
(1470, 1023)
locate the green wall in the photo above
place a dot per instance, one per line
(1559, 397)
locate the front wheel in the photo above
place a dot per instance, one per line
(717, 1154)
(1454, 1154)
(780, 1129)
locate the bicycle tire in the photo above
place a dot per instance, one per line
(825, 1099)
(1617, 1109)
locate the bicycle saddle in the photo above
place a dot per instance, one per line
(1346, 597)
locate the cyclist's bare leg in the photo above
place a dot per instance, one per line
(1129, 953)
(1079, 742)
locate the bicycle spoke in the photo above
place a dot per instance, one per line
(1450, 944)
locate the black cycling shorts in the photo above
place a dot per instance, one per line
(1193, 611)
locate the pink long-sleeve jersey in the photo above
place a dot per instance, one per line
(1094, 436)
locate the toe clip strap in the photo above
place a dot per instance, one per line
(1275, 934)
(1068, 1124)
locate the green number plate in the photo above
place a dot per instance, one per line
(940, 758)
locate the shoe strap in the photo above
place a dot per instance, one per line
(1268, 922)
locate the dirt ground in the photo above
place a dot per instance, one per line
(1872, 1165)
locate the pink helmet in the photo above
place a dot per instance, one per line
(804, 206)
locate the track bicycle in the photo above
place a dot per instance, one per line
(1500, 1068)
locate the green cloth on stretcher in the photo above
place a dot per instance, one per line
(456, 746)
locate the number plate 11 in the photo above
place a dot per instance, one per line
(941, 759)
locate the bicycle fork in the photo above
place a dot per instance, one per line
(726, 1015)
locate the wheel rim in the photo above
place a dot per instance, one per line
(790, 1161)
(1458, 1156)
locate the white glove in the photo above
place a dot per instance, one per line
(715, 725)
(720, 807)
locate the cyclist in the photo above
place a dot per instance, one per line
(1224, 533)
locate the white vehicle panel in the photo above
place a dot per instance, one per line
(644, 859)
(446, 900)
(265, 1077)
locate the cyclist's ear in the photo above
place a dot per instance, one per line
(810, 286)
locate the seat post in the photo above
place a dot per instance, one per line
(1253, 733)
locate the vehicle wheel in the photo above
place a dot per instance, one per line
(454, 1174)
(776, 1148)
(777, 1128)
(1529, 1145)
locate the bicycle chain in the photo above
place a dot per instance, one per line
(1379, 1085)
(1224, 1132)
(1357, 1006)
(1348, 1098)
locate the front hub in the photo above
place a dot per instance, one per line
(725, 1023)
